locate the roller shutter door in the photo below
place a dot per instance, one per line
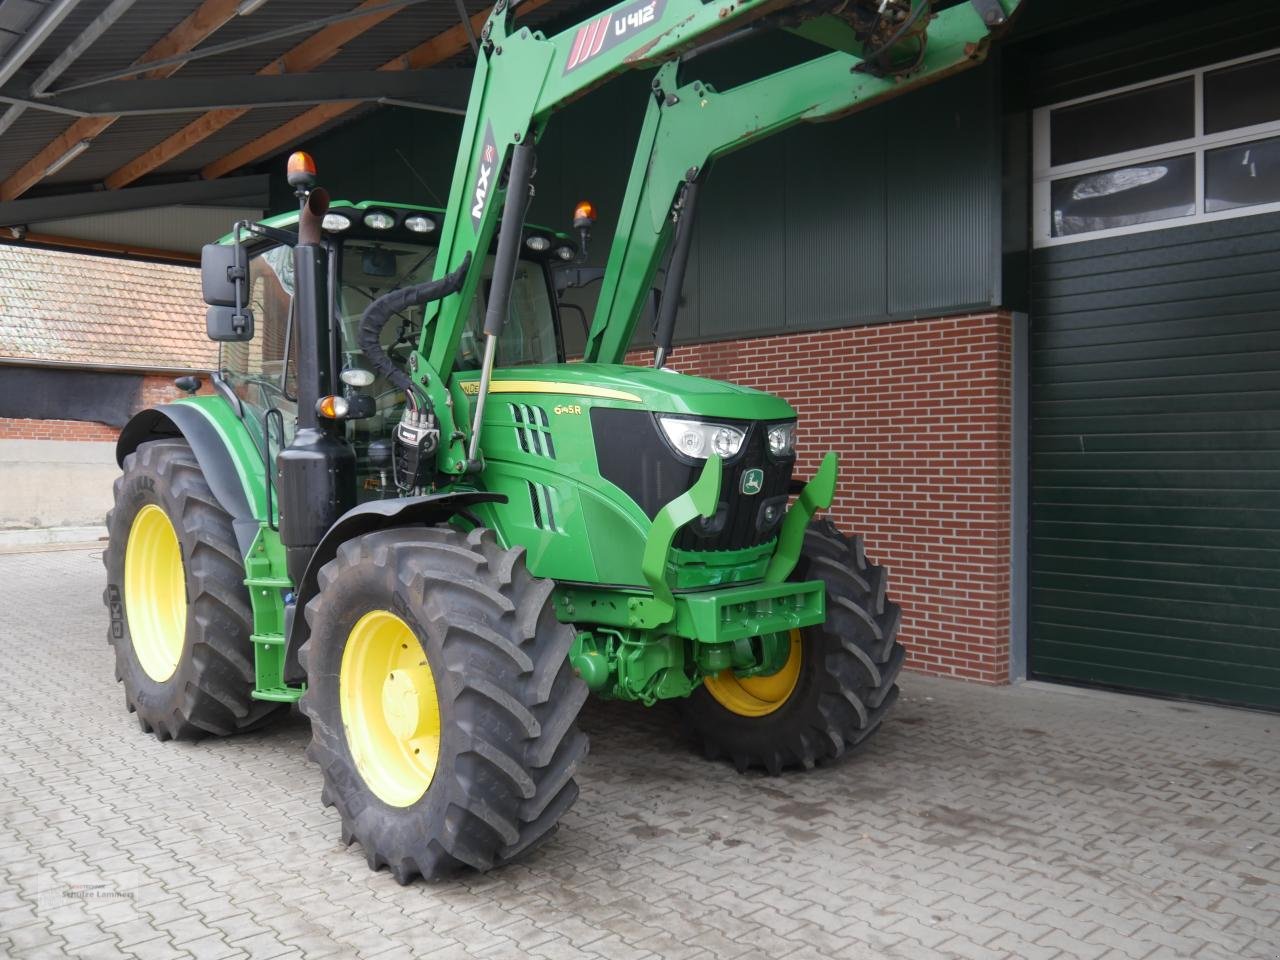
(1155, 462)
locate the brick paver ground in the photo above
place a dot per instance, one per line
(1028, 823)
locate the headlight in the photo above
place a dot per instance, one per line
(419, 224)
(565, 253)
(379, 220)
(782, 439)
(356, 377)
(700, 440)
(335, 222)
(537, 243)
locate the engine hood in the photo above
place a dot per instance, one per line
(660, 391)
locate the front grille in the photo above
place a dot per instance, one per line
(739, 521)
(633, 454)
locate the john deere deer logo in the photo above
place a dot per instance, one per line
(752, 482)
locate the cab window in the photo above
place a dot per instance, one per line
(258, 370)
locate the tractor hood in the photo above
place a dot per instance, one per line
(660, 391)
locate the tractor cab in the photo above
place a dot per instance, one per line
(374, 248)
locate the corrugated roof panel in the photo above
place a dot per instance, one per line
(118, 144)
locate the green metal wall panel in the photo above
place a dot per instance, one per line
(942, 193)
(1155, 462)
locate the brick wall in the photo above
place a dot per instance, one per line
(156, 389)
(919, 413)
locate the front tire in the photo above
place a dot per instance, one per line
(837, 684)
(443, 707)
(179, 609)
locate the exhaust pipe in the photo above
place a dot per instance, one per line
(316, 473)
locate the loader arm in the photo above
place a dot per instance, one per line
(689, 124)
(522, 78)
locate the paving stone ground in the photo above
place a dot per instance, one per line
(1030, 822)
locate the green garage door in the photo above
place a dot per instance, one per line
(1155, 462)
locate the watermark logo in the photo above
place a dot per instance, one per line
(54, 892)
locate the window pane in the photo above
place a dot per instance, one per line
(1242, 95)
(1142, 193)
(1128, 121)
(1242, 176)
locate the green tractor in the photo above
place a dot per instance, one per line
(402, 506)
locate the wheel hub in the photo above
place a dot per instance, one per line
(390, 710)
(404, 701)
(758, 696)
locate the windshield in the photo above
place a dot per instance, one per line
(371, 268)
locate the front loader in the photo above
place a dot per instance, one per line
(404, 509)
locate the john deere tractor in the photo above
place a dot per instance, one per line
(401, 506)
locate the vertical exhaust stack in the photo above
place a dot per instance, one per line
(316, 473)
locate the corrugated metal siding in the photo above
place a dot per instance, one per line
(837, 273)
(943, 196)
(1155, 472)
(894, 212)
(1131, 44)
(741, 235)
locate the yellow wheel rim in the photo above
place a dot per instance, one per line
(155, 593)
(757, 696)
(390, 711)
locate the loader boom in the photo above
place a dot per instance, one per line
(522, 78)
(689, 124)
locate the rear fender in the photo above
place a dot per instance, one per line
(368, 517)
(198, 423)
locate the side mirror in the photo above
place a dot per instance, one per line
(224, 274)
(229, 324)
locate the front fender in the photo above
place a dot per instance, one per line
(208, 429)
(366, 518)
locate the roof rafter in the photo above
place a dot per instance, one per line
(439, 48)
(306, 56)
(199, 24)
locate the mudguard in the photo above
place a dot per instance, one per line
(215, 459)
(366, 518)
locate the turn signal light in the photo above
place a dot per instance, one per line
(332, 408)
(301, 169)
(584, 214)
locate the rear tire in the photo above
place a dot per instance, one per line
(492, 695)
(844, 682)
(187, 667)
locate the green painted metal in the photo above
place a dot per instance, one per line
(709, 617)
(696, 569)
(816, 495)
(268, 583)
(243, 446)
(698, 501)
(745, 629)
(600, 533)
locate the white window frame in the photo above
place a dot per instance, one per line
(1043, 173)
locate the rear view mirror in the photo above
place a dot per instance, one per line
(224, 275)
(378, 263)
(229, 324)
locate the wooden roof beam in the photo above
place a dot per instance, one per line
(198, 25)
(303, 58)
(427, 54)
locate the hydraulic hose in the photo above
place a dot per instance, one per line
(377, 314)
